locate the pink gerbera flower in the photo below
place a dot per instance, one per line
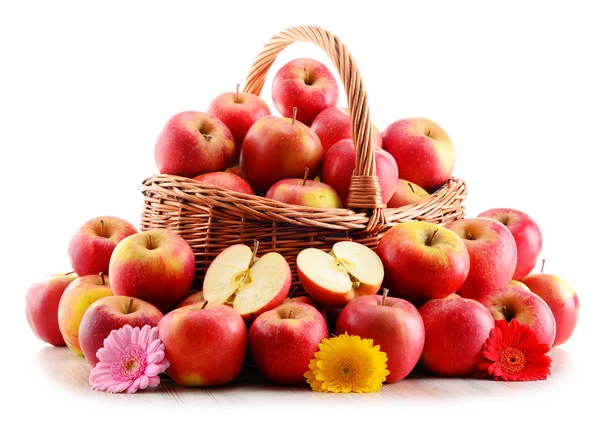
(131, 359)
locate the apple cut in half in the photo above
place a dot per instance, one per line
(350, 270)
(250, 286)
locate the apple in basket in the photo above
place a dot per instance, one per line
(238, 111)
(227, 180)
(334, 124)
(250, 285)
(339, 164)
(334, 279)
(306, 84)
(406, 193)
(278, 148)
(193, 143)
(423, 151)
(303, 192)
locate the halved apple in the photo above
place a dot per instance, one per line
(249, 286)
(350, 270)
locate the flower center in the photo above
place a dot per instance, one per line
(512, 360)
(129, 364)
(346, 370)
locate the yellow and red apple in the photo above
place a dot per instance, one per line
(227, 180)
(303, 192)
(406, 193)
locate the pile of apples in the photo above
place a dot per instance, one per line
(306, 156)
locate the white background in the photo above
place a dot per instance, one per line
(85, 88)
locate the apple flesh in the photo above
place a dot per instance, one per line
(455, 331)
(527, 308)
(111, 313)
(227, 180)
(406, 193)
(302, 192)
(41, 306)
(282, 341)
(392, 323)
(305, 84)
(91, 247)
(492, 253)
(527, 235)
(205, 344)
(157, 266)
(423, 261)
(348, 271)
(423, 151)
(76, 299)
(238, 111)
(339, 164)
(193, 143)
(250, 286)
(560, 298)
(334, 124)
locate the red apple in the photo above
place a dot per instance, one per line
(423, 261)
(527, 308)
(526, 233)
(192, 299)
(111, 313)
(303, 192)
(278, 148)
(157, 266)
(235, 170)
(41, 306)
(423, 151)
(193, 143)
(334, 124)
(227, 180)
(92, 244)
(282, 341)
(455, 331)
(392, 323)
(250, 286)
(492, 252)
(75, 300)
(205, 344)
(560, 298)
(339, 164)
(348, 271)
(517, 285)
(306, 84)
(238, 111)
(406, 193)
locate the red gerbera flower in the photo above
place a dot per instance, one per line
(514, 353)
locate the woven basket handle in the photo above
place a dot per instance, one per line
(365, 191)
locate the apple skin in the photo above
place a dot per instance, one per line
(307, 85)
(455, 331)
(192, 299)
(183, 147)
(560, 298)
(492, 253)
(397, 327)
(296, 191)
(111, 313)
(41, 306)
(302, 299)
(227, 180)
(282, 345)
(515, 284)
(417, 272)
(339, 164)
(206, 347)
(235, 170)
(238, 111)
(334, 124)
(161, 275)
(406, 193)
(423, 151)
(527, 308)
(76, 299)
(90, 247)
(527, 235)
(288, 144)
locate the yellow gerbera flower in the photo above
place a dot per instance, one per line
(347, 364)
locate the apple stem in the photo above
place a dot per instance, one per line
(102, 228)
(204, 304)
(432, 237)
(293, 292)
(411, 187)
(129, 306)
(290, 314)
(543, 264)
(305, 176)
(237, 93)
(150, 242)
(103, 280)
(69, 273)
(295, 111)
(254, 252)
(507, 316)
(385, 292)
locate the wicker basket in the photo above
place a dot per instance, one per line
(212, 218)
